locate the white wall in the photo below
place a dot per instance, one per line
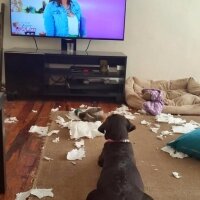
(162, 39)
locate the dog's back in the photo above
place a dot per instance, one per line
(119, 178)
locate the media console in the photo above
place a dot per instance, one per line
(44, 73)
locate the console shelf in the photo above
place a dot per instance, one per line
(42, 73)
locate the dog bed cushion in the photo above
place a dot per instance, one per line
(188, 144)
(181, 96)
(193, 87)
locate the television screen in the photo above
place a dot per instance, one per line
(89, 19)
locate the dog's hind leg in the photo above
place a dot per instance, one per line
(95, 195)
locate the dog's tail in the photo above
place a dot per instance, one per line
(146, 197)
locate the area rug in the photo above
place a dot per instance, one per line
(73, 181)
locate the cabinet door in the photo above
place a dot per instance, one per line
(23, 74)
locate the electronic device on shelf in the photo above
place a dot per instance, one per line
(84, 69)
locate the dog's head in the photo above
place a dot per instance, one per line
(116, 127)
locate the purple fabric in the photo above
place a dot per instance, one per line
(155, 105)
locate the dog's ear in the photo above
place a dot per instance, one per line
(102, 128)
(106, 128)
(130, 126)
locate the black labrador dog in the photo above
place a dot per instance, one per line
(119, 178)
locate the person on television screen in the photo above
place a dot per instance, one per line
(63, 18)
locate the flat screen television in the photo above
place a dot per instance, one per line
(83, 19)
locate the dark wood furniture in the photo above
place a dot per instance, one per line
(2, 163)
(30, 73)
(2, 8)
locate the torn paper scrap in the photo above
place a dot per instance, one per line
(154, 130)
(165, 133)
(129, 116)
(195, 123)
(11, 120)
(173, 153)
(157, 125)
(76, 154)
(40, 193)
(61, 121)
(56, 140)
(185, 128)
(144, 122)
(80, 129)
(136, 113)
(176, 174)
(79, 144)
(55, 109)
(123, 108)
(160, 137)
(125, 111)
(22, 195)
(83, 106)
(47, 158)
(52, 132)
(42, 131)
(169, 118)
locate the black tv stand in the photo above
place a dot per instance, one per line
(68, 45)
(51, 73)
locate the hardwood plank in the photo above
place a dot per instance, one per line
(22, 148)
(2, 155)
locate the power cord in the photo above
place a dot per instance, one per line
(88, 45)
(35, 43)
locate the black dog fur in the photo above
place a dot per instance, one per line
(119, 178)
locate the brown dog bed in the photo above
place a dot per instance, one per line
(181, 96)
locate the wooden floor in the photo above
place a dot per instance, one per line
(23, 149)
